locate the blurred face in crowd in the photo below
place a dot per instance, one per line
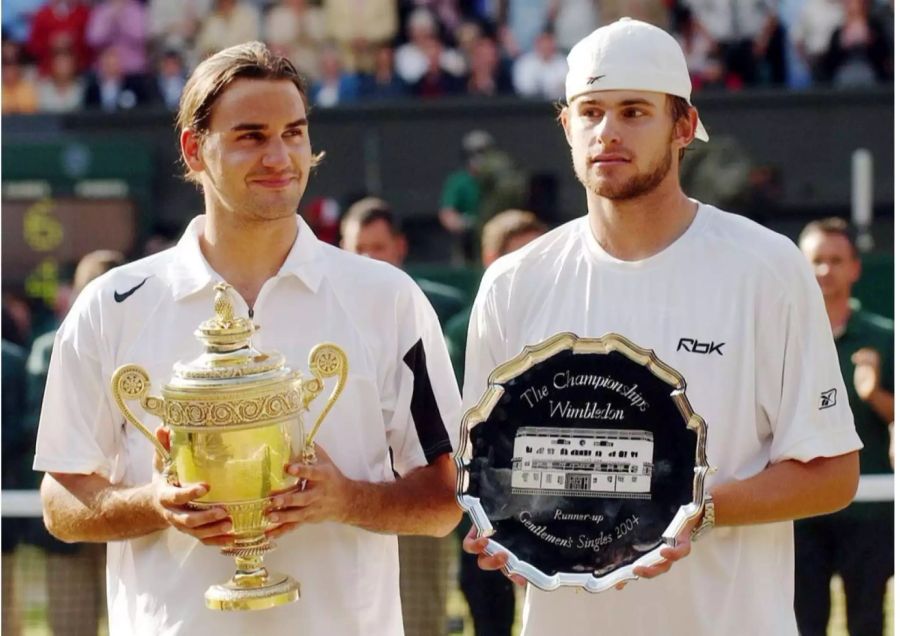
(545, 45)
(330, 64)
(432, 49)
(64, 67)
(484, 56)
(170, 66)
(834, 262)
(255, 159)
(384, 60)
(109, 65)
(624, 142)
(375, 239)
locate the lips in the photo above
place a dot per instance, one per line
(609, 157)
(274, 181)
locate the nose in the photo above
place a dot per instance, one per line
(276, 155)
(607, 131)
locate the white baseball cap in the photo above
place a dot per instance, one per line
(629, 55)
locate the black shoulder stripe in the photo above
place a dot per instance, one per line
(423, 406)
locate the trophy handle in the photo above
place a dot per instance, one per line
(131, 382)
(326, 360)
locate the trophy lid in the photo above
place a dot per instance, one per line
(229, 352)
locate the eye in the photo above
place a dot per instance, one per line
(633, 113)
(253, 136)
(294, 132)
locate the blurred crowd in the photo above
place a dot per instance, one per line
(67, 55)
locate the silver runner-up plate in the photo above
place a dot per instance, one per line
(582, 460)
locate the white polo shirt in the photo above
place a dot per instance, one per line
(400, 399)
(735, 308)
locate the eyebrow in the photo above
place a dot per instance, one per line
(245, 127)
(636, 101)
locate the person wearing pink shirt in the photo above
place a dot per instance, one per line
(121, 25)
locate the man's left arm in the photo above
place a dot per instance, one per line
(422, 502)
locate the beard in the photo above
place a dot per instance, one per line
(635, 186)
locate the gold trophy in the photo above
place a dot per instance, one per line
(236, 418)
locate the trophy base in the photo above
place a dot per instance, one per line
(272, 590)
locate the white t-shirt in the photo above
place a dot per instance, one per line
(736, 310)
(400, 398)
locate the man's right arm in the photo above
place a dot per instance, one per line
(88, 508)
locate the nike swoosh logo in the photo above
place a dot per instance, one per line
(122, 297)
(591, 80)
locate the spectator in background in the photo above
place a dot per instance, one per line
(335, 85)
(461, 196)
(411, 58)
(490, 595)
(700, 50)
(166, 86)
(447, 12)
(436, 81)
(571, 20)
(17, 16)
(811, 32)
(121, 25)
(358, 27)
(296, 30)
(60, 24)
(383, 83)
(488, 74)
(750, 38)
(858, 53)
(370, 229)
(20, 95)
(467, 35)
(541, 72)
(656, 12)
(519, 22)
(231, 22)
(506, 232)
(63, 90)
(110, 89)
(857, 542)
(74, 572)
(173, 24)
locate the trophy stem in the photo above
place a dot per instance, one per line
(252, 587)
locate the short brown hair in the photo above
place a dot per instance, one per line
(250, 60)
(368, 210)
(832, 225)
(505, 226)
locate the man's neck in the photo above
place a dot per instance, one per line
(839, 310)
(638, 228)
(247, 254)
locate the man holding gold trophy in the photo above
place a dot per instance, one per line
(248, 453)
(649, 278)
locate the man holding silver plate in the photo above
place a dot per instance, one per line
(242, 467)
(654, 372)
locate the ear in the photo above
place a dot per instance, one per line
(190, 150)
(685, 129)
(402, 246)
(856, 271)
(564, 122)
